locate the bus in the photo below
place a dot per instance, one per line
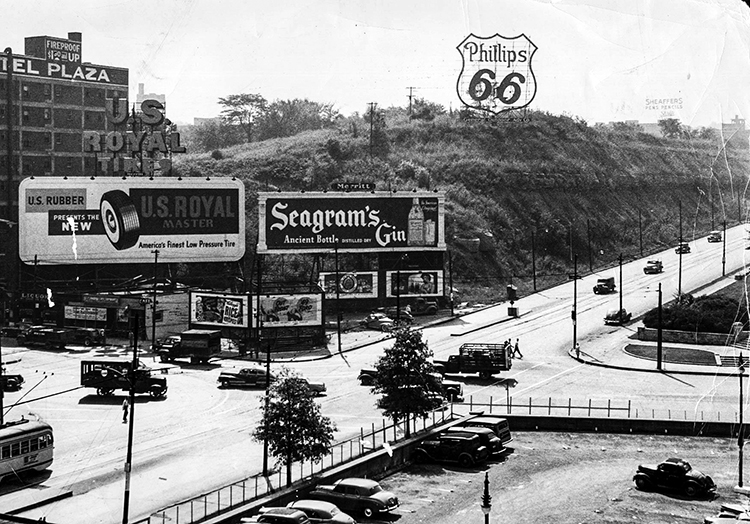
(25, 445)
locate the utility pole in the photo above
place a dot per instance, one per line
(620, 314)
(679, 272)
(129, 456)
(533, 260)
(575, 290)
(740, 431)
(640, 232)
(153, 305)
(10, 185)
(724, 250)
(659, 334)
(588, 237)
(411, 95)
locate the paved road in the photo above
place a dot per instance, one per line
(198, 438)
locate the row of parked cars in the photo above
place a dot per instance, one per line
(471, 442)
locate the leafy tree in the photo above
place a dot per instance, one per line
(292, 423)
(406, 378)
(379, 143)
(425, 110)
(215, 134)
(243, 110)
(707, 133)
(289, 117)
(671, 127)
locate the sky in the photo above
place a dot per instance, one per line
(600, 60)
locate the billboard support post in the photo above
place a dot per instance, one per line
(338, 296)
(153, 305)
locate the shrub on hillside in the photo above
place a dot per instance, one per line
(707, 313)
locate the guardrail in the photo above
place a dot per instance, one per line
(252, 488)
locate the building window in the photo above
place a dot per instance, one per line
(47, 91)
(25, 116)
(48, 163)
(58, 139)
(47, 114)
(26, 142)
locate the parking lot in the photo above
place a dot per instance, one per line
(566, 478)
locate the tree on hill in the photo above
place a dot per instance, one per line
(379, 143)
(670, 127)
(244, 111)
(215, 134)
(292, 423)
(406, 378)
(425, 110)
(289, 117)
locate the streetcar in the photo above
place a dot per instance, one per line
(25, 445)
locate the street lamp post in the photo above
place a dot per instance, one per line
(679, 271)
(620, 313)
(486, 499)
(740, 431)
(724, 250)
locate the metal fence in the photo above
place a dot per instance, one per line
(590, 408)
(225, 498)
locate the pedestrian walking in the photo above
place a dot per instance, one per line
(578, 350)
(125, 409)
(517, 350)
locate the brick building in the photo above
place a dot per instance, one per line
(48, 97)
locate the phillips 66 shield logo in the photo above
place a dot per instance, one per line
(496, 75)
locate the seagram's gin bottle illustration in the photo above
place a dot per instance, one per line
(415, 233)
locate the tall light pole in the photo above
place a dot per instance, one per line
(620, 313)
(153, 305)
(533, 259)
(740, 431)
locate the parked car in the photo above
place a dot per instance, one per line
(463, 448)
(674, 474)
(684, 247)
(321, 512)
(379, 321)
(714, 236)
(277, 516)
(487, 437)
(617, 316)
(316, 388)
(357, 495)
(402, 315)
(653, 266)
(86, 336)
(497, 424)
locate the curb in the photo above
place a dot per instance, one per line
(599, 363)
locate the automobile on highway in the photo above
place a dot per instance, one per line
(653, 266)
(85, 336)
(714, 236)
(321, 512)
(249, 377)
(617, 316)
(378, 321)
(683, 247)
(674, 474)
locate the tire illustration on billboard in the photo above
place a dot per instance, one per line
(85, 220)
(120, 219)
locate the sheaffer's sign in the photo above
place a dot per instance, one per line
(124, 220)
(326, 222)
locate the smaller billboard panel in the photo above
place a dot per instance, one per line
(219, 309)
(414, 283)
(289, 310)
(85, 313)
(350, 285)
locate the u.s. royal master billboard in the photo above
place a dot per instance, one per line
(125, 220)
(321, 222)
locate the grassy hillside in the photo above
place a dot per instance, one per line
(569, 187)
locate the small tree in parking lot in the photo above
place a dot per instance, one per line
(292, 422)
(406, 378)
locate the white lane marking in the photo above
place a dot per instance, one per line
(553, 377)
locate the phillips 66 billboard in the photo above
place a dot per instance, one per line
(89, 220)
(323, 222)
